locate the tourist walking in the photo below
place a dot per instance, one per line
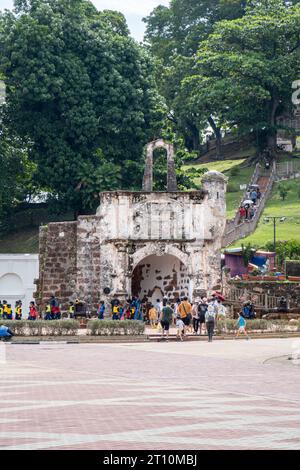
(180, 328)
(185, 310)
(153, 316)
(202, 308)
(158, 306)
(253, 196)
(166, 320)
(210, 318)
(241, 323)
(195, 316)
(242, 213)
(101, 310)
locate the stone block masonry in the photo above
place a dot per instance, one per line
(153, 244)
(57, 262)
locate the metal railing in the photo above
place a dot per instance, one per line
(239, 296)
(287, 170)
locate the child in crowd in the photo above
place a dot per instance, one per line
(8, 312)
(48, 315)
(153, 316)
(180, 328)
(33, 314)
(115, 312)
(71, 309)
(241, 323)
(18, 310)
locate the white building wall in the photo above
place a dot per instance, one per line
(17, 275)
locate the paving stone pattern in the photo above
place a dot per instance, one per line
(220, 395)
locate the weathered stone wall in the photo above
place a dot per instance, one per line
(88, 260)
(57, 263)
(97, 253)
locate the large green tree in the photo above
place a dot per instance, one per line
(179, 28)
(245, 69)
(176, 33)
(82, 92)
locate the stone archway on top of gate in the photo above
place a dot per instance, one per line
(159, 249)
(171, 171)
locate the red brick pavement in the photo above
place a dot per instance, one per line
(179, 396)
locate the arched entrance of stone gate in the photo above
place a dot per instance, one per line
(156, 277)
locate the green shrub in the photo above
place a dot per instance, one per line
(115, 328)
(42, 327)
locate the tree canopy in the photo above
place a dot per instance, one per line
(226, 64)
(81, 93)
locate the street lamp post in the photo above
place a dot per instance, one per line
(275, 220)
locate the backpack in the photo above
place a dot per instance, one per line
(210, 315)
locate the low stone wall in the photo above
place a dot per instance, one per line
(289, 290)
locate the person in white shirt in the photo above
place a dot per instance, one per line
(180, 328)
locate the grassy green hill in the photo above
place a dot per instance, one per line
(237, 172)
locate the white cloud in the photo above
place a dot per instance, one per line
(130, 7)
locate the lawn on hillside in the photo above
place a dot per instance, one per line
(237, 175)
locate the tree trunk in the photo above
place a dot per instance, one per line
(193, 138)
(218, 135)
(272, 133)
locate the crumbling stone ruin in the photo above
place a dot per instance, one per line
(143, 243)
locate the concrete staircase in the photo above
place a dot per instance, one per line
(235, 228)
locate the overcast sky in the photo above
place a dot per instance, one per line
(134, 10)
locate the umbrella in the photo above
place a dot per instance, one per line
(219, 295)
(248, 201)
(254, 185)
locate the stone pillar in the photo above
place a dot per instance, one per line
(171, 178)
(122, 269)
(171, 171)
(148, 174)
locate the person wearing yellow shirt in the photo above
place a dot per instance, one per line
(1, 310)
(18, 310)
(7, 311)
(153, 316)
(185, 310)
(48, 315)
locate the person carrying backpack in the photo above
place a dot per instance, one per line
(210, 318)
(202, 309)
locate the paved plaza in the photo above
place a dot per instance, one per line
(194, 395)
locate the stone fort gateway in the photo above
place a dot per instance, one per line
(139, 243)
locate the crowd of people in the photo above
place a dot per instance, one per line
(195, 318)
(8, 313)
(198, 318)
(248, 208)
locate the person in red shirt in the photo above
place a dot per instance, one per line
(242, 212)
(33, 313)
